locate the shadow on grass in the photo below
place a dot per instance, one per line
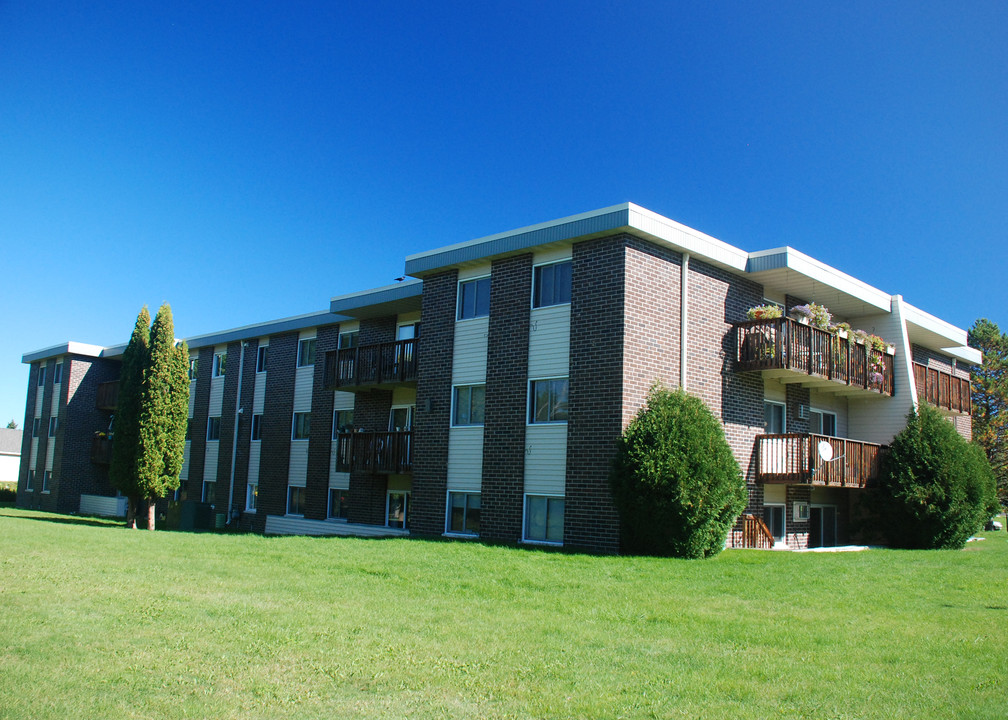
(92, 521)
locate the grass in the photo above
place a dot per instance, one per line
(97, 621)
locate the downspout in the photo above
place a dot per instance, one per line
(683, 318)
(234, 437)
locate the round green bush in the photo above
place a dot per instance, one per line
(675, 482)
(936, 489)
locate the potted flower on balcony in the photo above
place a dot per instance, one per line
(764, 312)
(813, 314)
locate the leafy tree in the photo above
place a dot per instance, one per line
(936, 489)
(675, 482)
(989, 382)
(164, 410)
(123, 472)
(12, 425)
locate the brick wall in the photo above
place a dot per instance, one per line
(227, 423)
(193, 487)
(320, 440)
(44, 501)
(506, 400)
(435, 351)
(278, 410)
(597, 345)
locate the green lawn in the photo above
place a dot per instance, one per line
(97, 621)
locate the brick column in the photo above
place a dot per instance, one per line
(278, 411)
(320, 440)
(435, 351)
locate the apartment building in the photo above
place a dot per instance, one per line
(483, 397)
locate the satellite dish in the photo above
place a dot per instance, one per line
(825, 451)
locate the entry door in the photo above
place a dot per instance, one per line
(396, 507)
(822, 526)
(401, 418)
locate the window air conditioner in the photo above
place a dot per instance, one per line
(801, 512)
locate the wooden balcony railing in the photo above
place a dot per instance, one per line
(794, 458)
(943, 389)
(755, 533)
(107, 395)
(375, 452)
(390, 363)
(784, 344)
(101, 450)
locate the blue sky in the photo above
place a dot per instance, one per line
(247, 161)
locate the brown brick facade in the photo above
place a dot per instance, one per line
(278, 411)
(320, 440)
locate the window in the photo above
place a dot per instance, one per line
(213, 428)
(544, 519)
(252, 497)
(306, 352)
(261, 356)
(469, 402)
(548, 400)
(30, 482)
(474, 298)
(348, 339)
(41, 375)
(774, 420)
(46, 477)
(58, 374)
(302, 426)
(193, 365)
(257, 427)
(774, 517)
(822, 422)
(409, 331)
(36, 424)
(342, 422)
(339, 503)
(219, 364)
(551, 284)
(295, 500)
(210, 492)
(401, 418)
(53, 424)
(395, 509)
(463, 513)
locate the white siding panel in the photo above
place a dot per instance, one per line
(210, 461)
(775, 494)
(184, 472)
(259, 394)
(549, 341)
(253, 464)
(469, 365)
(38, 403)
(542, 257)
(474, 271)
(192, 398)
(403, 396)
(339, 480)
(50, 454)
(344, 400)
(465, 458)
(297, 473)
(545, 458)
(33, 454)
(303, 388)
(216, 395)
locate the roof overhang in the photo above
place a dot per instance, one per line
(791, 272)
(273, 327)
(394, 299)
(624, 218)
(932, 332)
(67, 348)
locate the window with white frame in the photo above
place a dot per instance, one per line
(41, 375)
(551, 284)
(53, 424)
(401, 418)
(301, 429)
(36, 425)
(209, 492)
(468, 404)
(58, 374)
(463, 513)
(193, 365)
(46, 477)
(339, 503)
(252, 496)
(474, 298)
(822, 422)
(544, 519)
(30, 482)
(548, 400)
(256, 427)
(774, 418)
(342, 422)
(295, 500)
(348, 339)
(219, 364)
(262, 354)
(773, 515)
(213, 429)
(306, 352)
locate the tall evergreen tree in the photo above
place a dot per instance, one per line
(126, 436)
(164, 410)
(989, 382)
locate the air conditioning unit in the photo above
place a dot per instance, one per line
(801, 511)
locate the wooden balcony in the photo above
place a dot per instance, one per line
(795, 352)
(755, 533)
(107, 395)
(367, 366)
(101, 450)
(943, 390)
(793, 458)
(375, 452)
